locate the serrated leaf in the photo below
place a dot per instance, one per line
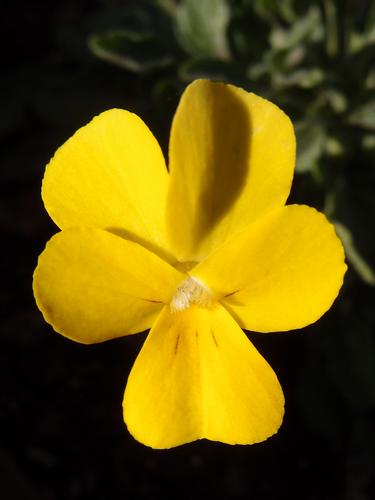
(310, 145)
(137, 52)
(201, 28)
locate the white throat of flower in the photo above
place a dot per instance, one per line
(191, 291)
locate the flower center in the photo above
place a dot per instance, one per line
(191, 291)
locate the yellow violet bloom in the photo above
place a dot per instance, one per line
(195, 253)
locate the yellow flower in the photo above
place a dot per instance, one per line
(196, 254)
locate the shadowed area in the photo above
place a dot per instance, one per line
(209, 165)
(227, 161)
(152, 247)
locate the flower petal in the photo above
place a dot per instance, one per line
(110, 174)
(232, 157)
(92, 285)
(198, 376)
(283, 272)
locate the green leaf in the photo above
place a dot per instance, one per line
(137, 52)
(258, 70)
(331, 27)
(354, 257)
(370, 24)
(333, 146)
(308, 27)
(370, 80)
(167, 6)
(310, 145)
(336, 99)
(364, 116)
(304, 78)
(201, 28)
(271, 9)
(368, 141)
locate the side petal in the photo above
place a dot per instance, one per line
(232, 158)
(92, 286)
(198, 376)
(110, 174)
(281, 273)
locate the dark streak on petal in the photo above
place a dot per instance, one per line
(213, 336)
(231, 293)
(176, 345)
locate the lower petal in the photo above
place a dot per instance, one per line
(198, 376)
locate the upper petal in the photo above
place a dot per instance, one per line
(283, 272)
(110, 174)
(231, 157)
(198, 376)
(92, 285)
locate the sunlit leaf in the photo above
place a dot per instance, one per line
(333, 147)
(364, 116)
(308, 27)
(201, 27)
(337, 100)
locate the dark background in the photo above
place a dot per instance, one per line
(61, 429)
